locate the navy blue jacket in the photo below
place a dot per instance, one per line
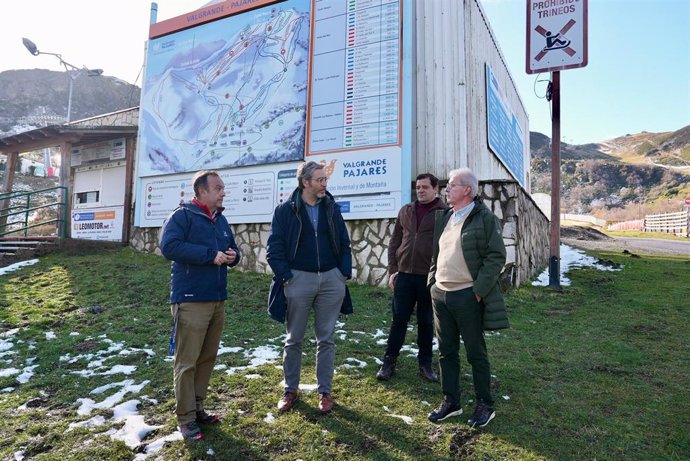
(191, 240)
(286, 228)
(283, 244)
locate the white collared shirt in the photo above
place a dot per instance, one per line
(462, 213)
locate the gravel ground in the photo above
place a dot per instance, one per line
(591, 239)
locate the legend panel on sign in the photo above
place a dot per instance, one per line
(356, 76)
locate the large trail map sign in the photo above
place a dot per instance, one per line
(245, 88)
(232, 95)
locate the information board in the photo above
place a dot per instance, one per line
(96, 153)
(506, 138)
(254, 94)
(356, 78)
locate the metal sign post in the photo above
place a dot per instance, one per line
(555, 240)
(556, 40)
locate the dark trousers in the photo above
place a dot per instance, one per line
(458, 314)
(410, 289)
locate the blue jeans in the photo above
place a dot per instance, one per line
(323, 292)
(410, 289)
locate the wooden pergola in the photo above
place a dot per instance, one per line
(121, 124)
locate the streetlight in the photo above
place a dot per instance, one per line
(72, 71)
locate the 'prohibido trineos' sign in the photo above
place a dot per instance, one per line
(556, 35)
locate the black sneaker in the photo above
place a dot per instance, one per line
(483, 413)
(191, 431)
(444, 411)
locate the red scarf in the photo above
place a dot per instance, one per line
(203, 207)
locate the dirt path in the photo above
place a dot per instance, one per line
(590, 239)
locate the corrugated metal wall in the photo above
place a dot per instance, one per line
(454, 41)
(440, 87)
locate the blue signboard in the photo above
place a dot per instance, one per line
(506, 138)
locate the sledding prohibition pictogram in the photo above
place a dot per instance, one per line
(555, 42)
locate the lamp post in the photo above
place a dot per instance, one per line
(72, 71)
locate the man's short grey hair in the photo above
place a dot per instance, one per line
(467, 177)
(306, 171)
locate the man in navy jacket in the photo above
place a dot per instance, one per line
(198, 240)
(309, 253)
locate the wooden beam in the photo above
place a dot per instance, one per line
(130, 145)
(28, 146)
(7, 182)
(66, 181)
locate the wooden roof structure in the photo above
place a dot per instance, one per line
(106, 127)
(81, 132)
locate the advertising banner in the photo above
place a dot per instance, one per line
(98, 224)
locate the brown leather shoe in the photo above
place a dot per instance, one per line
(287, 401)
(325, 403)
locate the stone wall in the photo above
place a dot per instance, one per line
(532, 250)
(525, 233)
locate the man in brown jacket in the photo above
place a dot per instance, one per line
(409, 257)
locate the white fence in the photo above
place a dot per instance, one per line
(669, 223)
(635, 224)
(583, 219)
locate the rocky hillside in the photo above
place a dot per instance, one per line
(666, 149)
(629, 175)
(34, 98)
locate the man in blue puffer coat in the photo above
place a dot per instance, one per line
(198, 240)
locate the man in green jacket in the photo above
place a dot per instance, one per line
(468, 257)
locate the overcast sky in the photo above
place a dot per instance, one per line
(98, 34)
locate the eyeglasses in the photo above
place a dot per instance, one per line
(322, 180)
(451, 185)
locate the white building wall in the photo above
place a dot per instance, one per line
(454, 41)
(440, 87)
(482, 48)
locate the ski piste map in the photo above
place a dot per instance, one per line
(251, 89)
(235, 95)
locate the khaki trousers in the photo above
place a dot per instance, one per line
(199, 329)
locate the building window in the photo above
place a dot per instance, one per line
(87, 197)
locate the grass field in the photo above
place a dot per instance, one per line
(596, 371)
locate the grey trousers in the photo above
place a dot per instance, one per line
(323, 292)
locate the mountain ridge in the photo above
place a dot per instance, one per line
(619, 178)
(31, 98)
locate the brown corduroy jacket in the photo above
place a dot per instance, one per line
(410, 249)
